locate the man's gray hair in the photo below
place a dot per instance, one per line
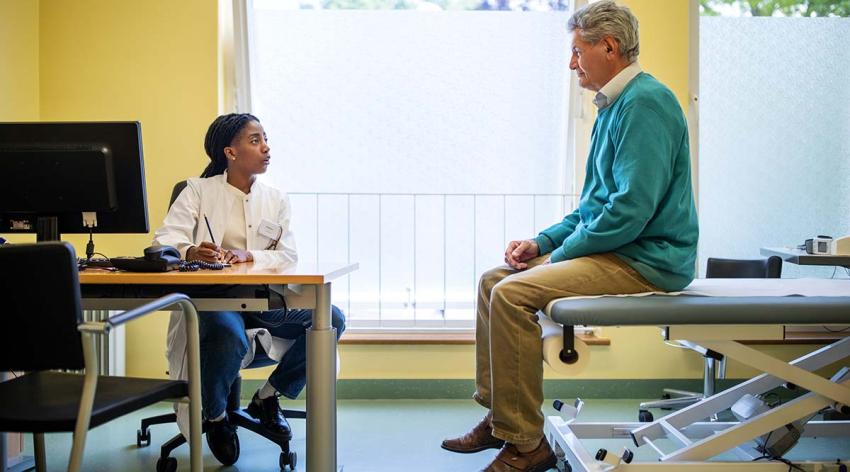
(605, 18)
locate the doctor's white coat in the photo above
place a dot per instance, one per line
(184, 227)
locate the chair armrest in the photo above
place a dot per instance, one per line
(148, 308)
(160, 303)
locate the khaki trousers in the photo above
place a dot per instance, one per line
(508, 344)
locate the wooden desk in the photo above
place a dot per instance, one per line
(241, 274)
(800, 257)
(305, 285)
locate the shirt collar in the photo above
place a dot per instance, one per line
(233, 190)
(610, 91)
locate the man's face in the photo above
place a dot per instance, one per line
(591, 61)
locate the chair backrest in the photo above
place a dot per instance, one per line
(40, 308)
(178, 187)
(770, 268)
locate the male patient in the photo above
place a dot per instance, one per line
(635, 230)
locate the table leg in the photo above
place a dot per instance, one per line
(102, 343)
(321, 386)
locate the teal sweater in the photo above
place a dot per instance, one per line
(637, 200)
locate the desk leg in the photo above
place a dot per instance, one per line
(102, 343)
(321, 386)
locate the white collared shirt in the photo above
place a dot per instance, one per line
(235, 236)
(610, 91)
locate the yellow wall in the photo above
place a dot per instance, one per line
(664, 42)
(158, 62)
(19, 72)
(152, 61)
(18, 60)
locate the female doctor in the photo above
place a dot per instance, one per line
(250, 221)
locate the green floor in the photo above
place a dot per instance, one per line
(374, 436)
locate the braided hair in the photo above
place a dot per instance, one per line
(221, 134)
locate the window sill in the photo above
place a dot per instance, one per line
(438, 338)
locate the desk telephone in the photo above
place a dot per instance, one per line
(161, 259)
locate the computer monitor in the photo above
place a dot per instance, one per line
(74, 177)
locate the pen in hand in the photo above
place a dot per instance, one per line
(209, 230)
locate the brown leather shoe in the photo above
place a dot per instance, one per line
(480, 438)
(509, 459)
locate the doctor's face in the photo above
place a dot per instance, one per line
(250, 151)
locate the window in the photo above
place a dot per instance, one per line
(416, 138)
(774, 163)
(785, 8)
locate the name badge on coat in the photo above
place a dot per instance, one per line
(270, 229)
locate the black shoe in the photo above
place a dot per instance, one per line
(269, 414)
(223, 441)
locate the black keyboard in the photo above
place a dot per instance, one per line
(94, 262)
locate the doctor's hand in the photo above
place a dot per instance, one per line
(235, 256)
(207, 252)
(520, 251)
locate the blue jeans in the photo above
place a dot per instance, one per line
(224, 344)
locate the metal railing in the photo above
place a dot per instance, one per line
(420, 254)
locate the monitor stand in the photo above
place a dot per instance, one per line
(47, 228)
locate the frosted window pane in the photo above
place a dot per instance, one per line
(774, 163)
(406, 101)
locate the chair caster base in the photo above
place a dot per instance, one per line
(166, 464)
(143, 439)
(290, 459)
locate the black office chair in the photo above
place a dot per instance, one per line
(770, 268)
(43, 329)
(236, 414)
(175, 192)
